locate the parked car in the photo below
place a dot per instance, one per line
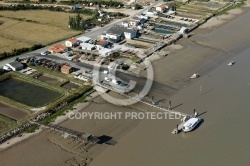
(7, 68)
(123, 85)
(105, 72)
(115, 82)
(107, 79)
(45, 53)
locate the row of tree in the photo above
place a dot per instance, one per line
(94, 2)
(29, 7)
(50, 8)
(19, 51)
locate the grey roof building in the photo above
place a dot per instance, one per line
(15, 66)
(119, 30)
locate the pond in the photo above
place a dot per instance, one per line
(163, 31)
(27, 93)
(176, 24)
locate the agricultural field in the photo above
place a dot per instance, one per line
(25, 28)
(198, 10)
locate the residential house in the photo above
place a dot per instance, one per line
(83, 39)
(102, 44)
(66, 69)
(59, 48)
(130, 33)
(161, 8)
(117, 33)
(72, 42)
(76, 7)
(114, 34)
(105, 52)
(126, 23)
(135, 21)
(15, 66)
(142, 17)
(87, 46)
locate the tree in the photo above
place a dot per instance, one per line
(137, 7)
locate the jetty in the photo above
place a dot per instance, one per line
(83, 135)
(179, 127)
(139, 99)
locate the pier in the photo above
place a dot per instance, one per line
(137, 98)
(73, 133)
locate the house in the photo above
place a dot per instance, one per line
(114, 34)
(87, 46)
(161, 8)
(83, 39)
(151, 12)
(59, 48)
(15, 66)
(102, 44)
(76, 7)
(142, 17)
(130, 33)
(72, 42)
(135, 21)
(126, 23)
(66, 69)
(105, 52)
(117, 33)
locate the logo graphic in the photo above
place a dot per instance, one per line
(105, 78)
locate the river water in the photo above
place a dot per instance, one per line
(221, 96)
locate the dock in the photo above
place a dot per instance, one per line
(137, 98)
(70, 132)
(179, 127)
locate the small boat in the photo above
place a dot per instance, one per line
(231, 63)
(190, 124)
(195, 76)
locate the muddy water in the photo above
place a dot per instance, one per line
(221, 95)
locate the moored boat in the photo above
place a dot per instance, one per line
(190, 124)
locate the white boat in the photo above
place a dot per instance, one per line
(195, 76)
(190, 124)
(231, 63)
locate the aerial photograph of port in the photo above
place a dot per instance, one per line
(124, 83)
